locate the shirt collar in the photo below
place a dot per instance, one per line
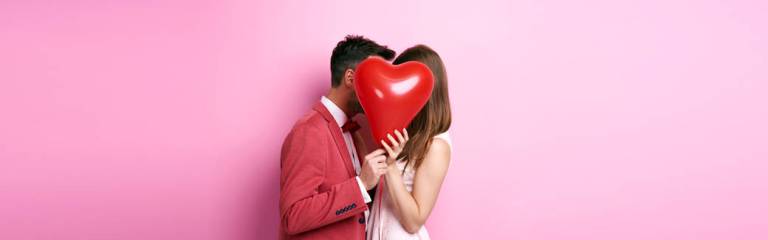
(336, 112)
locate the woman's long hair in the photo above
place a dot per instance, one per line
(435, 117)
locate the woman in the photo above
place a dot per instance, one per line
(417, 162)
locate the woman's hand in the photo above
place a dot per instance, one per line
(396, 147)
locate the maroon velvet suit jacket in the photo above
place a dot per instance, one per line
(319, 195)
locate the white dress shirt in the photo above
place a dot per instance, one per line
(341, 119)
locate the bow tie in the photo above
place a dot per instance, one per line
(351, 126)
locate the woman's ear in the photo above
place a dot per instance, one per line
(349, 78)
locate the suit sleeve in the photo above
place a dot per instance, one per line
(302, 206)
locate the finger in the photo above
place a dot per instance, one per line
(382, 165)
(378, 159)
(405, 132)
(395, 144)
(386, 146)
(375, 153)
(400, 137)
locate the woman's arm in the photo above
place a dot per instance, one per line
(413, 208)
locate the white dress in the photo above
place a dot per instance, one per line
(383, 224)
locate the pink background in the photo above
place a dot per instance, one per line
(572, 119)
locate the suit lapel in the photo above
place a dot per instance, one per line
(338, 138)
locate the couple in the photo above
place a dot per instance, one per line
(333, 187)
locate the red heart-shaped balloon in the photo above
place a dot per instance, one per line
(392, 95)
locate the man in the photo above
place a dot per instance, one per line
(323, 181)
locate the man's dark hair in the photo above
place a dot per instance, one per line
(351, 51)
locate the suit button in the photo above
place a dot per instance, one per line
(361, 220)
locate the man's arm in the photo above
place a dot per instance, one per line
(302, 206)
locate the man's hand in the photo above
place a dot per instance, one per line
(374, 166)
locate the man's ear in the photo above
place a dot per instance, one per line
(349, 78)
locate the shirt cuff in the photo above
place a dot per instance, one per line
(366, 197)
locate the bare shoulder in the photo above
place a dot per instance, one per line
(439, 153)
(436, 163)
